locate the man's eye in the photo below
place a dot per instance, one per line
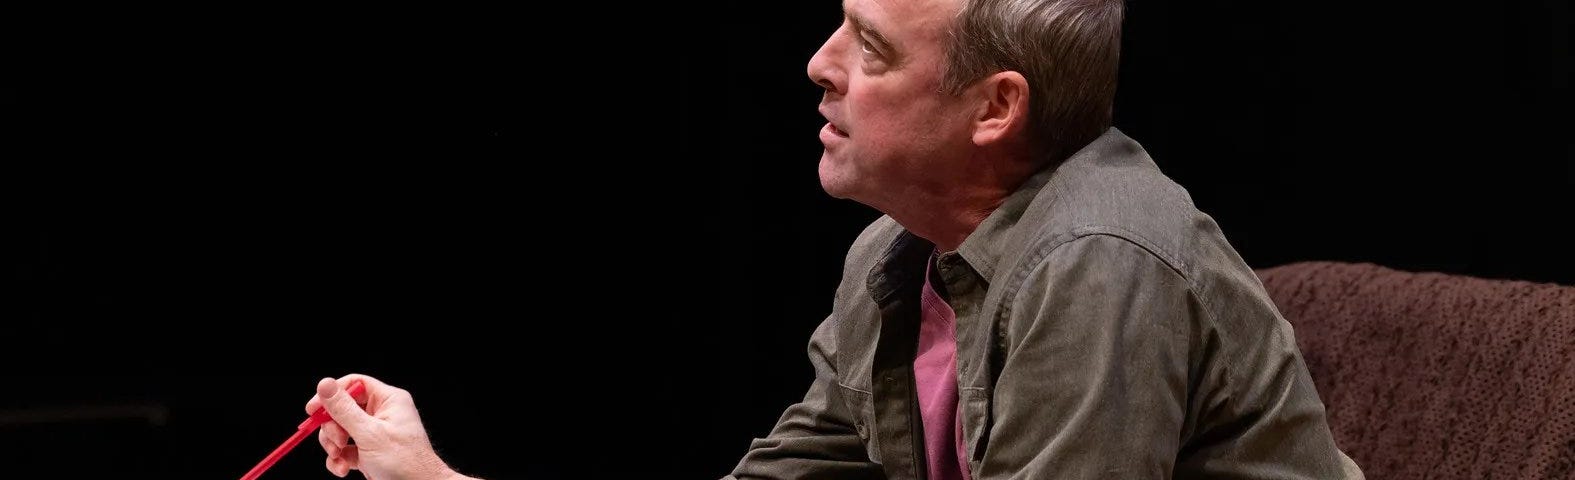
(866, 47)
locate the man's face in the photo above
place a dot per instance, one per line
(889, 122)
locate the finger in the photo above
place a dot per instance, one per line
(328, 444)
(335, 435)
(371, 384)
(316, 402)
(343, 409)
(351, 456)
(336, 466)
(343, 464)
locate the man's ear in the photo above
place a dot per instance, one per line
(1003, 107)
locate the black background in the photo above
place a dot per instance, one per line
(595, 254)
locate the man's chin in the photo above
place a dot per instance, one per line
(831, 181)
(833, 192)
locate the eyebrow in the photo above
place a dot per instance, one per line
(864, 26)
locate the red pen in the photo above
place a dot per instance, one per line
(301, 432)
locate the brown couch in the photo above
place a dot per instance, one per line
(1437, 376)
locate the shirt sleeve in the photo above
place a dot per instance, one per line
(1115, 369)
(816, 437)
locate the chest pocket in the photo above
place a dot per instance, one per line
(862, 409)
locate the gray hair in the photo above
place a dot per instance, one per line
(1068, 50)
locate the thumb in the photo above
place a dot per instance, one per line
(342, 408)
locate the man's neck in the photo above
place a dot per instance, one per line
(949, 208)
(947, 218)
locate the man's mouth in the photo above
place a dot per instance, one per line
(831, 125)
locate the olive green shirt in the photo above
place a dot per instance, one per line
(1105, 329)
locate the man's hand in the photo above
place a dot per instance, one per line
(389, 441)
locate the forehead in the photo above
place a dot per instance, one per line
(906, 20)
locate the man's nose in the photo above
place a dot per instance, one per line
(825, 68)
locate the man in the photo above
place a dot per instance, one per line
(1039, 300)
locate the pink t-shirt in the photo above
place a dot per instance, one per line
(935, 375)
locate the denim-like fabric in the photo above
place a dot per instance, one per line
(1105, 329)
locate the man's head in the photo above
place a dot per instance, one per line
(921, 91)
